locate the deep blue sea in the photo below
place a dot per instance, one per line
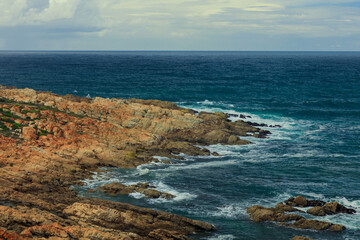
(314, 96)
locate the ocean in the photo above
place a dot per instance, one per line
(314, 96)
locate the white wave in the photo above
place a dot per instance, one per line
(99, 179)
(200, 165)
(246, 153)
(349, 203)
(161, 158)
(179, 196)
(303, 154)
(137, 195)
(142, 171)
(206, 102)
(222, 237)
(227, 150)
(229, 211)
(316, 153)
(350, 221)
(162, 187)
(88, 96)
(356, 127)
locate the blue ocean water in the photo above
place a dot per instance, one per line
(314, 96)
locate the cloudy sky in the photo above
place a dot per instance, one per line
(179, 25)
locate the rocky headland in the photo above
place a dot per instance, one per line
(49, 143)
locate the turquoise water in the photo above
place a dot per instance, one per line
(315, 97)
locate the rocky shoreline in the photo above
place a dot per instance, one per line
(49, 143)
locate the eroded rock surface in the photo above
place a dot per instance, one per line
(50, 142)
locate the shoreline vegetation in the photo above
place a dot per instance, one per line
(51, 142)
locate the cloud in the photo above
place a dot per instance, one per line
(20, 12)
(163, 22)
(58, 9)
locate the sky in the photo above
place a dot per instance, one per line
(217, 25)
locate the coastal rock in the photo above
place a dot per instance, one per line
(315, 225)
(280, 207)
(320, 208)
(316, 211)
(56, 231)
(116, 188)
(300, 238)
(262, 214)
(141, 221)
(330, 209)
(278, 214)
(165, 234)
(335, 207)
(315, 203)
(144, 188)
(300, 201)
(216, 154)
(17, 218)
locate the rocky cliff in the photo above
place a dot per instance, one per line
(50, 142)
